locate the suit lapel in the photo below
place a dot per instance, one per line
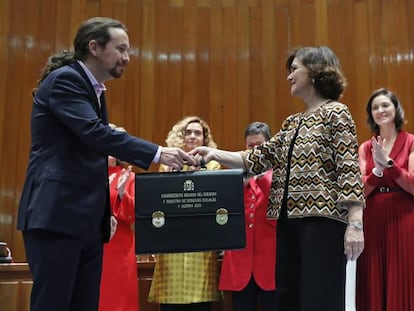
(90, 89)
(103, 112)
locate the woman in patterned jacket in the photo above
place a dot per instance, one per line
(316, 193)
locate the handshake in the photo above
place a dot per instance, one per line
(199, 156)
(177, 158)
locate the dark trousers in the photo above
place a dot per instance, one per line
(311, 265)
(202, 306)
(247, 299)
(66, 271)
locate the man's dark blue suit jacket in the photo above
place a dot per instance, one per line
(66, 187)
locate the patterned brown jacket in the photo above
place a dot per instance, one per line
(324, 175)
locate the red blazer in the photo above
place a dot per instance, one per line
(119, 287)
(258, 258)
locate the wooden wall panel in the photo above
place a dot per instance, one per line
(147, 60)
(229, 67)
(256, 52)
(16, 285)
(216, 68)
(8, 295)
(359, 71)
(6, 206)
(221, 59)
(189, 55)
(13, 135)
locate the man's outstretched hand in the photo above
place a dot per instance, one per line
(176, 158)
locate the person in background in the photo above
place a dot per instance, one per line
(249, 273)
(119, 284)
(317, 192)
(385, 270)
(64, 210)
(187, 281)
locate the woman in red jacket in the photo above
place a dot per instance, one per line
(119, 286)
(385, 270)
(250, 272)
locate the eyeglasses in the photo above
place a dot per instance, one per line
(196, 133)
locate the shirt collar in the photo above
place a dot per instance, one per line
(98, 87)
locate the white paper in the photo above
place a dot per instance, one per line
(350, 285)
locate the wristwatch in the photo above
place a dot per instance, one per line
(356, 225)
(377, 173)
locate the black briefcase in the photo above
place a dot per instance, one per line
(189, 211)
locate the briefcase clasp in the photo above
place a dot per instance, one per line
(222, 216)
(158, 219)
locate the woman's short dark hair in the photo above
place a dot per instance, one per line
(96, 28)
(258, 128)
(324, 70)
(399, 111)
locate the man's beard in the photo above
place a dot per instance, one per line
(116, 74)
